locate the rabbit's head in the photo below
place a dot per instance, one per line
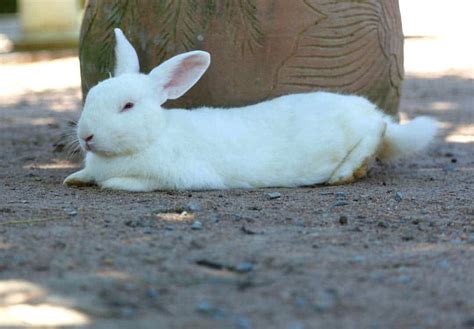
(123, 114)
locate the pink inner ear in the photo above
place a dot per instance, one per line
(185, 73)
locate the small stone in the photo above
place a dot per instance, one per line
(301, 302)
(326, 193)
(193, 206)
(197, 225)
(398, 196)
(208, 309)
(152, 293)
(404, 279)
(449, 168)
(469, 323)
(341, 194)
(382, 224)
(243, 323)
(72, 213)
(339, 204)
(326, 300)
(273, 195)
(296, 325)
(237, 217)
(214, 219)
(463, 237)
(444, 264)
(245, 267)
(470, 239)
(204, 307)
(343, 220)
(359, 259)
(408, 238)
(108, 261)
(134, 223)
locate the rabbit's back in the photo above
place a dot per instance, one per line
(288, 141)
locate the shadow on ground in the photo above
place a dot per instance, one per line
(394, 250)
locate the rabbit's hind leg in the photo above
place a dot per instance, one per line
(354, 166)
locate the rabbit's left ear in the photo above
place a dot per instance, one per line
(126, 59)
(178, 74)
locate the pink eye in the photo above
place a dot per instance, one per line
(127, 107)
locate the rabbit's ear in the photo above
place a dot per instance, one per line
(126, 59)
(178, 74)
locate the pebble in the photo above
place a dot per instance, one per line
(273, 195)
(470, 239)
(193, 206)
(398, 196)
(444, 264)
(339, 204)
(469, 323)
(382, 224)
(197, 225)
(449, 168)
(359, 259)
(296, 325)
(326, 300)
(72, 213)
(237, 217)
(404, 279)
(326, 193)
(300, 302)
(343, 220)
(243, 323)
(152, 293)
(134, 223)
(214, 219)
(408, 238)
(245, 267)
(204, 307)
(341, 194)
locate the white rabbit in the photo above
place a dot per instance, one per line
(134, 144)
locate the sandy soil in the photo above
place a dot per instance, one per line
(395, 250)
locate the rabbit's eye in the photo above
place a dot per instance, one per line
(127, 107)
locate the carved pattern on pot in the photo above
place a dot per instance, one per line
(323, 58)
(261, 48)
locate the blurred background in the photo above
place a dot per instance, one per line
(438, 41)
(40, 94)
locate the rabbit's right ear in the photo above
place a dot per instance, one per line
(178, 74)
(126, 59)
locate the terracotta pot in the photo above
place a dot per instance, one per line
(260, 48)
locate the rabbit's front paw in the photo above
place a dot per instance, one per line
(79, 179)
(130, 184)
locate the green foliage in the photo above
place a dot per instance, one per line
(8, 6)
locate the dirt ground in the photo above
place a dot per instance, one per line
(395, 250)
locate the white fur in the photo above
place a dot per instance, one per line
(126, 59)
(403, 140)
(294, 140)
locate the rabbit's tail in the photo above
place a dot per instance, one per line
(406, 139)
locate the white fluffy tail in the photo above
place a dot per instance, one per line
(407, 139)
